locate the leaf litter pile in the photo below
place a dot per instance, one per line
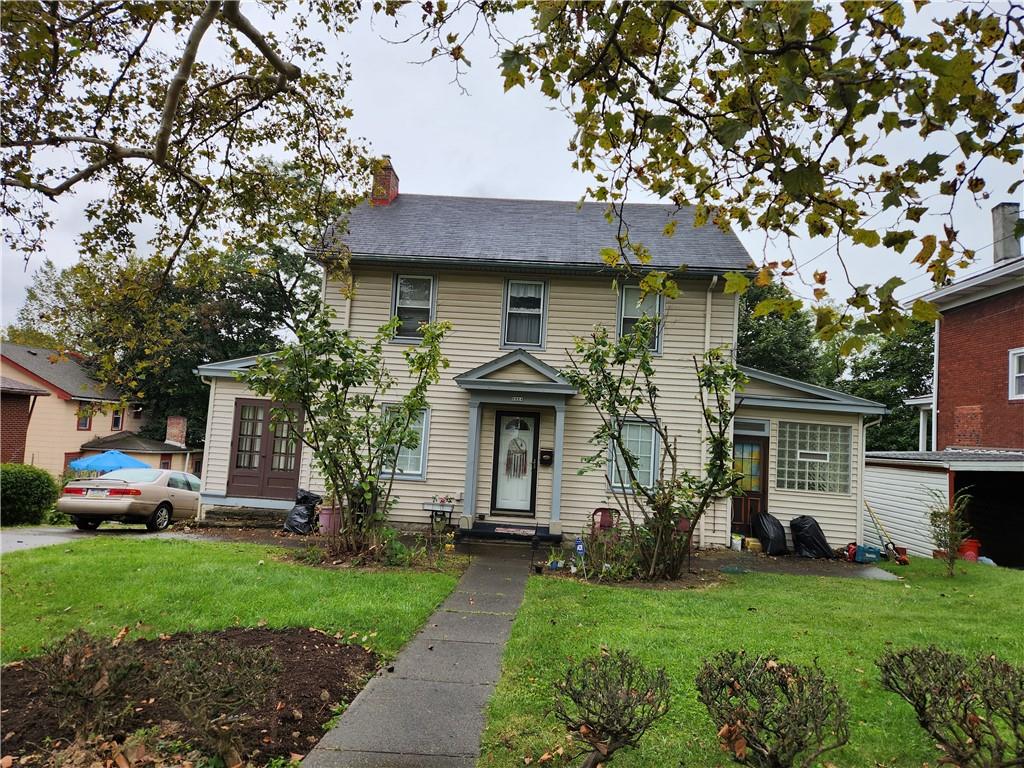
(245, 696)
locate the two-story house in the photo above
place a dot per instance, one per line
(505, 433)
(971, 435)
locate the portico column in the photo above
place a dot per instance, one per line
(555, 526)
(922, 430)
(472, 464)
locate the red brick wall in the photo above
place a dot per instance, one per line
(14, 413)
(974, 343)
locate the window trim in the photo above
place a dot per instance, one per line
(655, 458)
(399, 339)
(78, 420)
(850, 491)
(505, 343)
(659, 332)
(424, 452)
(1012, 356)
(120, 426)
(801, 457)
(764, 425)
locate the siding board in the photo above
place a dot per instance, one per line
(900, 496)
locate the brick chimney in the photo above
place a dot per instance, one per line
(1007, 245)
(176, 426)
(385, 182)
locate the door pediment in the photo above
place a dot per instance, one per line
(516, 371)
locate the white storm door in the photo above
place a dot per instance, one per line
(514, 463)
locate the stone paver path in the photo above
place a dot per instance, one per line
(429, 711)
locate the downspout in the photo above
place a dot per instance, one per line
(935, 390)
(703, 435)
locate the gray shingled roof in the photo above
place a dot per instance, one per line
(129, 442)
(15, 387)
(949, 455)
(65, 373)
(532, 234)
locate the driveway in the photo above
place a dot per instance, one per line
(14, 539)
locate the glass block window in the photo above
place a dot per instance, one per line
(414, 304)
(250, 437)
(524, 313)
(641, 441)
(411, 462)
(814, 457)
(285, 447)
(632, 307)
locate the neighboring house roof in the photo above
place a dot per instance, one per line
(11, 386)
(64, 374)
(532, 234)
(129, 442)
(921, 401)
(228, 368)
(818, 398)
(956, 460)
(1000, 278)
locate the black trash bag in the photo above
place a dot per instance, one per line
(808, 538)
(302, 517)
(771, 534)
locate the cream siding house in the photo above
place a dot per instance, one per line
(505, 433)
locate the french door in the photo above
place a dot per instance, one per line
(264, 453)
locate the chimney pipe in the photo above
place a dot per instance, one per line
(385, 182)
(1004, 220)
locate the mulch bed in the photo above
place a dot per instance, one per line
(317, 672)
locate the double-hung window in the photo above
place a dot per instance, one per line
(117, 420)
(84, 418)
(1017, 374)
(411, 462)
(814, 457)
(413, 304)
(633, 305)
(525, 306)
(641, 441)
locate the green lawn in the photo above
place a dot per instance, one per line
(164, 585)
(845, 623)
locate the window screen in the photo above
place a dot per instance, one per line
(639, 439)
(632, 307)
(524, 313)
(413, 302)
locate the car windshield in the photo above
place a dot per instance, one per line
(133, 475)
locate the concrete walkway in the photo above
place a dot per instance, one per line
(427, 710)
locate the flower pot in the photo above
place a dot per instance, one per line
(969, 549)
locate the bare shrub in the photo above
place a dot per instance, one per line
(973, 708)
(89, 682)
(770, 714)
(212, 684)
(609, 701)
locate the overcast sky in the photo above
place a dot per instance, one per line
(495, 144)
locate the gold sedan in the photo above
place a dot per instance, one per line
(156, 497)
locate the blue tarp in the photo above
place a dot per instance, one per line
(106, 462)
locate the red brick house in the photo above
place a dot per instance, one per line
(976, 410)
(17, 401)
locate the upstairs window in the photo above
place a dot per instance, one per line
(814, 457)
(84, 418)
(413, 304)
(525, 306)
(117, 420)
(632, 307)
(1017, 374)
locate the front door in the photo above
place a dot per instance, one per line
(264, 453)
(514, 477)
(750, 459)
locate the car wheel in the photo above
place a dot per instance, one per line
(87, 523)
(160, 520)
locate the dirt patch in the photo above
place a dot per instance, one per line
(316, 674)
(270, 536)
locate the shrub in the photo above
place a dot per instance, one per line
(90, 682)
(610, 555)
(609, 701)
(974, 709)
(948, 521)
(770, 714)
(212, 684)
(26, 494)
